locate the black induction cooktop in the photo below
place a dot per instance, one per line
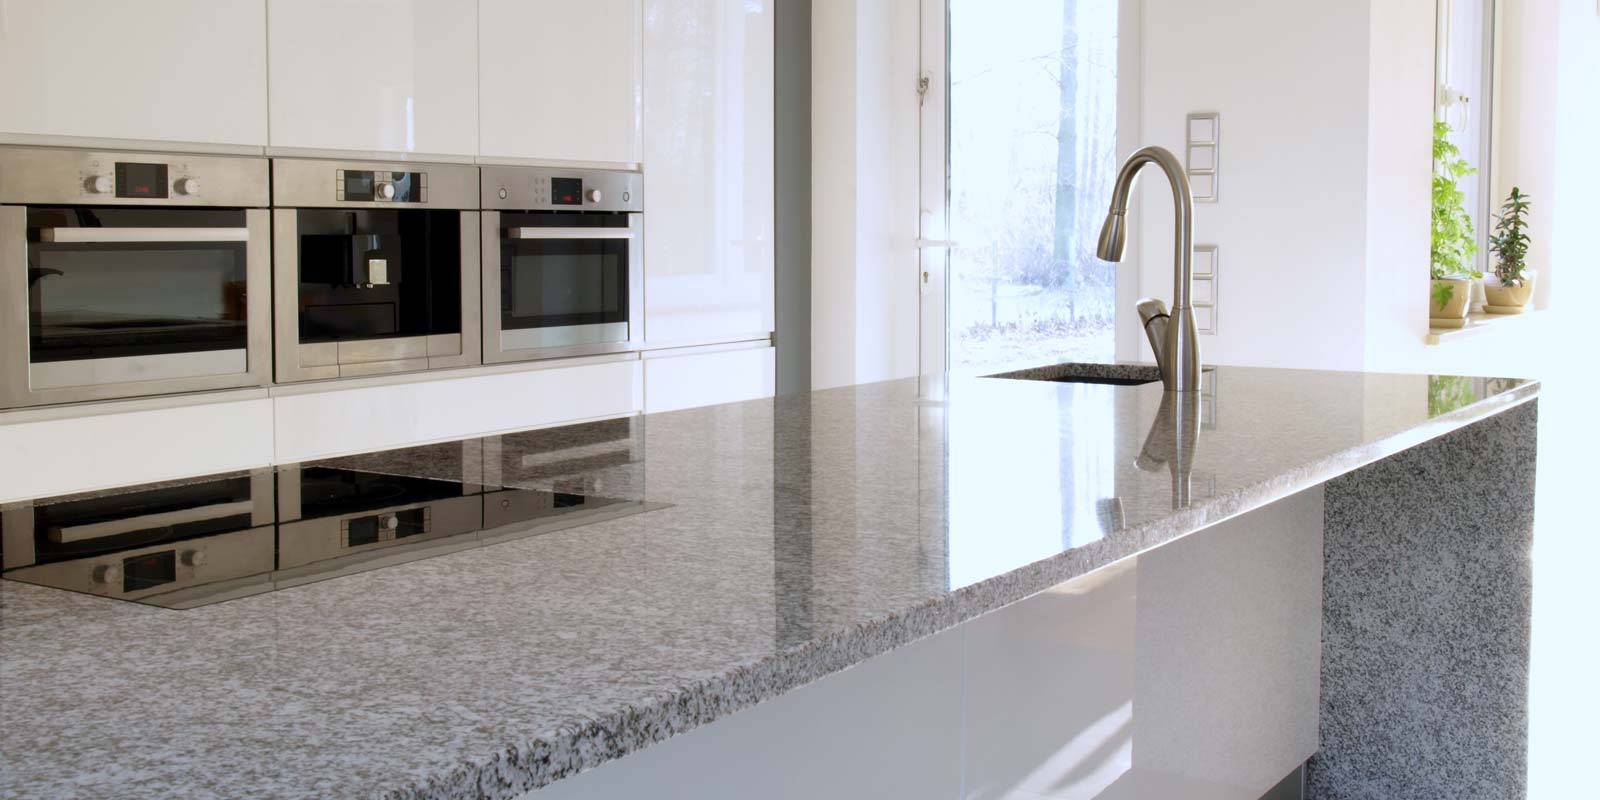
(190, 543)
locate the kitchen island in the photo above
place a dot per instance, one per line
(782, 542)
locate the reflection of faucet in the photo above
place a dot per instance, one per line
(1173, 439)
(1174, 339)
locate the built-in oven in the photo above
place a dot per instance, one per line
(177, 544)
(375, 268)
(131, 274)
(563, 262)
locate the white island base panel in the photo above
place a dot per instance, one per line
(1188, 671)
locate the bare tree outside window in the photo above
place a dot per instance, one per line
(1033, 134)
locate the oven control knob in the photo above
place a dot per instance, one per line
(189, 186)
(97, 184)
(108, 574)
(385, 191)
(391, 522)
(194, 558)
(594, 195)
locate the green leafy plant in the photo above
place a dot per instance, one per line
(1454, 242)
(1509, 242)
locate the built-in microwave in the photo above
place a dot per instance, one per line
(563, 262)
(131, 274)
(375, 267)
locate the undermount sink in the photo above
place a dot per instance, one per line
(1099, 374)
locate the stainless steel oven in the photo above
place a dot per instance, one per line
(178, 544)
(563, 262)
(131, 274)
(376, 267)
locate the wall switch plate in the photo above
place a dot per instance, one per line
(1202, 145)
(1203, 288)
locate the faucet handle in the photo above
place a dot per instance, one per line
(1153, 317)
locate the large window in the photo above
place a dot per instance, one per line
(1031, 143)
(1463, 100)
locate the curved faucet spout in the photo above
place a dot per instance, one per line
(1179, 357)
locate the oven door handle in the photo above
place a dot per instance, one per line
(569, 233)
(141, 235)
(96, 530)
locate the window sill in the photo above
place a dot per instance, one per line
(1479, 324)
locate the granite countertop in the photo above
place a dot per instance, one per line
(799, 536)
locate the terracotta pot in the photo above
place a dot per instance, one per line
(1502, 299)
(1453, 314)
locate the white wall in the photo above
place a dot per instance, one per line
(1289, 78)
(864, 189)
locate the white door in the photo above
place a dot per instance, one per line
(374, 76)
(558, 80)
(191, 71)
(1027, 107)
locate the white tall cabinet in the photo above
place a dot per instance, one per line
(558, 80)
(377, 76)
(708, 159)
(185, 71)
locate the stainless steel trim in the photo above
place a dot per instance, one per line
(569, 233)
(469, 353)
(563, 336)
(319, 354)
(132, 369)
(362, 351)
(17, 386)
(113, 527)
(528, 189)
(57, 176)
(383, 367)
(310, 183)
(16, 536)
(496, 349)
(140, 235)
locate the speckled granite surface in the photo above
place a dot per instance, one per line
(1427, 616)
(806, 534)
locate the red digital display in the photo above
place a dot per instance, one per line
(566, 191)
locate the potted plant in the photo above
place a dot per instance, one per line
(1510, 288)
(1454, 244)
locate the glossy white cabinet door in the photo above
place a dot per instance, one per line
(171, 70)
(559, 79)
(388, 76)
(708, 378)
(708, 106)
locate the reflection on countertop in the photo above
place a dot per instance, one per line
(803, 534)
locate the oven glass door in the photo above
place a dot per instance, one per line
(563, 279)
(379, 273)
(115, 286)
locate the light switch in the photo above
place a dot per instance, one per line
(1205, 319)
(1202, 157)
(1203, 185)
(1203, 128)
(1203, 291)
(1205, 260)
(1202, 154)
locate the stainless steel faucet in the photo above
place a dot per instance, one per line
(1172, 335)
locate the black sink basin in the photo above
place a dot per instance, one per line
(1099, 374)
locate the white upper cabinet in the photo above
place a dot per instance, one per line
(167, 70)
(708, 169)
(379, 76)
(559, 79)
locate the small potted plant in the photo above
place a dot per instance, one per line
(1454, 244)
(1510, 288)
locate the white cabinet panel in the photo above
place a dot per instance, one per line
(708, 160)
(109, 447)
(559, 79)
(375, 75)
(727, 376)
(172, 70)
(394, 415)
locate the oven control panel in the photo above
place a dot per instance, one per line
(545, 189)
(40, 176)
(380, 186)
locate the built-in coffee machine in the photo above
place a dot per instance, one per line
(376, 267)
(129, 274)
